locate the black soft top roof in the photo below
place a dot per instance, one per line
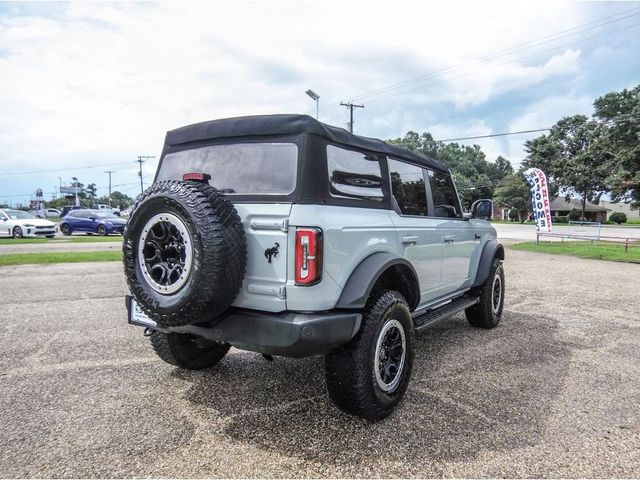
(290, 124)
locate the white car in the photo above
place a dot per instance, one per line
(53, 212)
(107, 208)
(18, 224)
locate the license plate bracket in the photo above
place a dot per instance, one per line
(137, 316)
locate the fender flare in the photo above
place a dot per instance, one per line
(491, 250)
(363, 278)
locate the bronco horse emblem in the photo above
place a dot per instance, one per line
(271, 252)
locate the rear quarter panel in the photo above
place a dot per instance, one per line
(350, 234)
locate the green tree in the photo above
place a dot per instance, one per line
(118, 200)
(513, 192)
(475, 177)
(571, 156)
(619, 113)
(91, 191)
(500, 168)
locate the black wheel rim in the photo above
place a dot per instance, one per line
(164, 253)
(390, 356)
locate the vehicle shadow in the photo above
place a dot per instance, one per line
(471, 390)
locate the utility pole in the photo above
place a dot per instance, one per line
(109, 172)
(351, 106)
(141, 160)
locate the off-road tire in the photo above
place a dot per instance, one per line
(218, 248)
(483, 314)
(350, 371)
(17, 232)
(187, 351)
(65, 229)
(102, 230)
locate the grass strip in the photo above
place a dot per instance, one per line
(53, 241)
(59, 257)
(613, 252)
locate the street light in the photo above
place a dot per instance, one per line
(75, 179)
(315, 97)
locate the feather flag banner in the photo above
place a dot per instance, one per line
(539, 199)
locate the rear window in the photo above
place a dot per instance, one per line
(353, 174)
(241, 168)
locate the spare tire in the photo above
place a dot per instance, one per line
(185, 253)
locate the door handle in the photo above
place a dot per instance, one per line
(410, 239)
(449, 238)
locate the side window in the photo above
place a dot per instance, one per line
(407, 187)
(445, 200)
(354, 174)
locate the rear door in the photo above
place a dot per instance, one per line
(418, 237)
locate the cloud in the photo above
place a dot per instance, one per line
(90, 83)
(542, 114)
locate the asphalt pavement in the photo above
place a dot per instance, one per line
(552, 392)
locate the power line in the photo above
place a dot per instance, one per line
(618, 118)
(490, 67)
(141, 160)
(494, 135)
(500, 54)
(109, 172)
(65, 169)
(517, 48)
(351, 106)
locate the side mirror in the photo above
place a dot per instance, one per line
(482, 209)
(93, 218)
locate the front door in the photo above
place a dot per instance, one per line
(456, 234)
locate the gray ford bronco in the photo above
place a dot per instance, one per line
(282, 235)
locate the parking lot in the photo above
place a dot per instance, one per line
(553, 391)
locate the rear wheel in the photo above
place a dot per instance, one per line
(369, 376)
(65, 229)
(187, 351)
(102, 230)
(17, 232)
(488, 312)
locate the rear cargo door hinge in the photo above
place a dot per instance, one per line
(282, 225)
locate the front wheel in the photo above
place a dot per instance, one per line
(369, 376)
(187, 351)
(17, 232)
(65, 229)
(102, 230)
(488, 311)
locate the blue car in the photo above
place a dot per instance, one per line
(92, 221)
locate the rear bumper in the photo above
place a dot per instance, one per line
(289, 334)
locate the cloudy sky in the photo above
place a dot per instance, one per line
(86, 87)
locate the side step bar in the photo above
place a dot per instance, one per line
(424, 320)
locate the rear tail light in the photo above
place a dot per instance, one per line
(308, 256)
